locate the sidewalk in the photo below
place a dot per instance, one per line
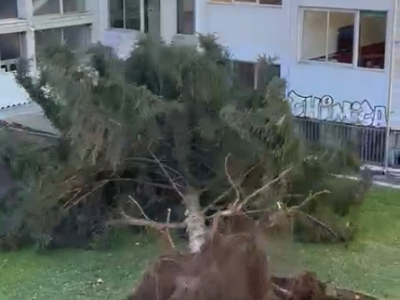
(379, 179)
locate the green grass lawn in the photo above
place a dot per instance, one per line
(371, 264)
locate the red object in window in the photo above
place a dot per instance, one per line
(372, 56)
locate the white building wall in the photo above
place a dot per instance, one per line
(395, 72)
(334, 91)
(319, 90)
(250, 30)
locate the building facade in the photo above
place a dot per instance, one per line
(25, 26)
(341, 58)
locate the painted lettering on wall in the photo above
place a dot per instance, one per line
(329, 109)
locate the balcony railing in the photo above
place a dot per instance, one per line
(9, 65)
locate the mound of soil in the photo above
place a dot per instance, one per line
(230, 266)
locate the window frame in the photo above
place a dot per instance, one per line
(62, 38)
(142, 17)
(234, 66)
(10, 65)
(244, 2)
(356, 41)
(178, 21)
(16, 16)
(61, 12)
(256, 66)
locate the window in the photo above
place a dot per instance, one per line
(262, 2)
(126, 14)
(73, 6)
(48, 7)
(8, 9)
(186, 16)
(265, 73)
(246, 73)
(140, 15)
(372, 37)
(332, 36)
(74, 37)
(254, 75)
(10, 51)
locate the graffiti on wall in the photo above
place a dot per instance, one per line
(328, 109)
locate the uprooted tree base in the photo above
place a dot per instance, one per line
(230, 265)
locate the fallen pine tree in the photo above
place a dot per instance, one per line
(167, 119)
(165, 127)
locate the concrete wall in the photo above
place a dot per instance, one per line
(249, 30)
(328, 91)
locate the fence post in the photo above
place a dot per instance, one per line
(387, 149)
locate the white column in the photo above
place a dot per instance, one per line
(168, 19)
(29, 49)
(200, 11)
(25, 11)
(100, 12)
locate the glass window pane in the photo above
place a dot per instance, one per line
(46, 7)
(372, 42)
(314, 37)
(132, 14)
(186, 16)
(8, 9)
(341, 37)
(265, 73)
(77, 37)
(245, 72)
(46, 38)
(271, 2)
(116, 13)
(152, 14)
(10, 46)
(73, 6)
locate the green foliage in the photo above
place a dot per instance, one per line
(176, 103)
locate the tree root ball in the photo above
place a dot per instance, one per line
(230, 266)
(227, 267)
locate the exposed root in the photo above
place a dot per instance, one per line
(231, 264)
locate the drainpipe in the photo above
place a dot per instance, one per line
(389, 104)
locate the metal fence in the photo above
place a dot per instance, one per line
(368, 142)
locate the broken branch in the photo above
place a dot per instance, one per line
(168, 176)
(127, 220)
(309, 198)
(171, 242)
(233, 185)
(263, 188)
(139, 207)
(227, 191)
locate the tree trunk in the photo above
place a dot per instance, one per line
(195, 220)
